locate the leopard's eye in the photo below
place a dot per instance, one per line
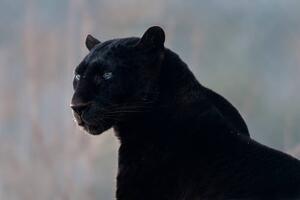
(77, 77)
(107, 75)
(99, 78)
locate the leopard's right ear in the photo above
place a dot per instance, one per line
(90, 42)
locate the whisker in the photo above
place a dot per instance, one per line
(113, 118)
(125, 111)
(131, 104)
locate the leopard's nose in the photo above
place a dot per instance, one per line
(80, 108)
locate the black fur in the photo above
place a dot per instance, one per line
(227, 110)
(179, 140)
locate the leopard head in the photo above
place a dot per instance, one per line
(117, 79)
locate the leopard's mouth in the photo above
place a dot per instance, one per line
(78, 119)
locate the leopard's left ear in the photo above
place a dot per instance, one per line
(154, 37)
(90, 42)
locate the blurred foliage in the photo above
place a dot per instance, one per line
(248, 51)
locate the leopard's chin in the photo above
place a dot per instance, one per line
(95, 130)
(92, 127)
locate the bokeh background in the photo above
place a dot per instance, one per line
(247, 50)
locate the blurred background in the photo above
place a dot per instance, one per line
(248, 51)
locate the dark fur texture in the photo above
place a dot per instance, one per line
(179, 140)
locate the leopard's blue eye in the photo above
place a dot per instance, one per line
(107, 75)
(77, 77)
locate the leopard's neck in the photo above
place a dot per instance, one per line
(180, 100)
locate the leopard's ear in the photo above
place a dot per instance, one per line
(154, 37)
(90, 42)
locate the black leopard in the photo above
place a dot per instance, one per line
(178, 139)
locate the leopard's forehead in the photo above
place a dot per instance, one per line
(115, 52)
(115, 48)
(114, 45)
